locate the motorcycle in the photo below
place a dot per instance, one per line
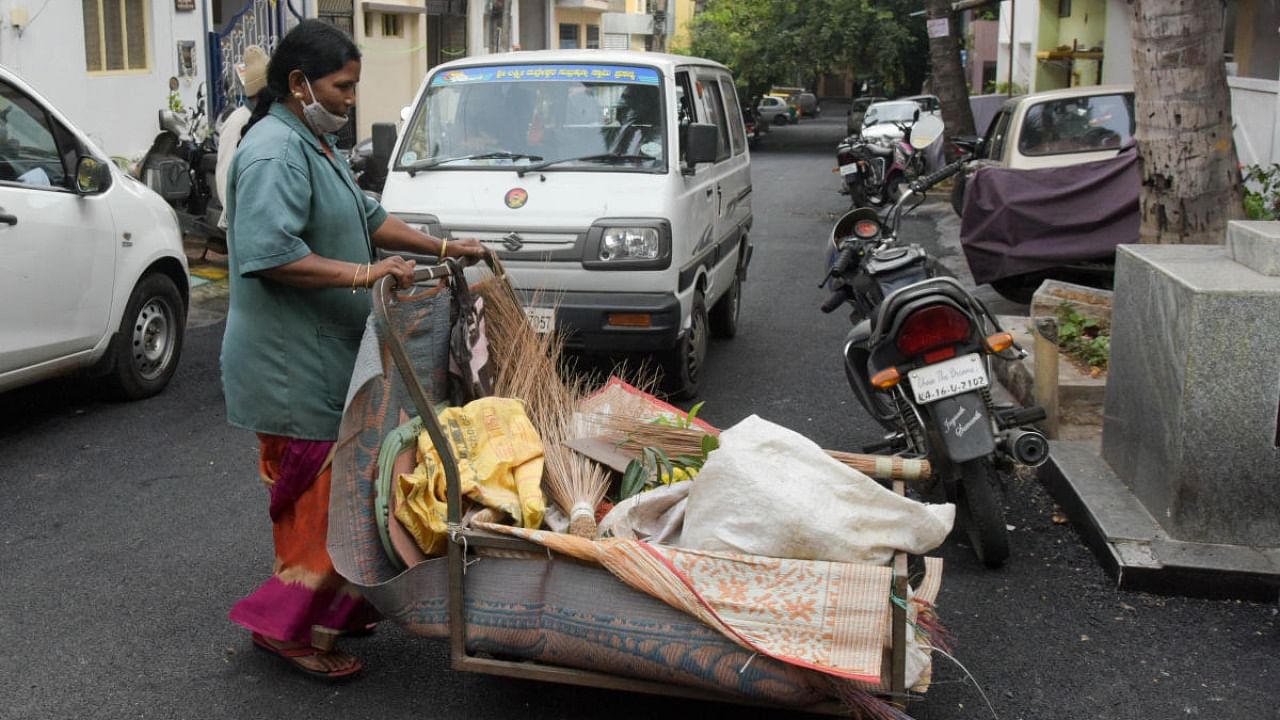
(180, 166)
(918, 359)
(874, 170)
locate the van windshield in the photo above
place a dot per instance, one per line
(555, 116)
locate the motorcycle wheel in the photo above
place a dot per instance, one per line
(982, 511)
(858, 195)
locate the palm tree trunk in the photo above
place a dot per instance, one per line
(949, 83)
(1186, 154)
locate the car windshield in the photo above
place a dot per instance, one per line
(562, 116)
(890, 112)
(1082, 124)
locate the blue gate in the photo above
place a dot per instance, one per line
(259, 22)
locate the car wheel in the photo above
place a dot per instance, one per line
(779, 119)
(682, 369)
(149, 342)
(724, 314)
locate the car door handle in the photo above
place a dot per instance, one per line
(8, 219)
(709, 191)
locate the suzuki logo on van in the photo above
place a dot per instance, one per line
(516, 198)
(512, 241)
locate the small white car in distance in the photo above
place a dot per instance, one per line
(94, 276)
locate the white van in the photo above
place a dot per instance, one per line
(617, 183)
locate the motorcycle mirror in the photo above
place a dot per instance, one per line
(915, 116)
(925, 131)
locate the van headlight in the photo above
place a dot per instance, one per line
(630, 243)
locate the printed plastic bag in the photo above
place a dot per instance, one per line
(770, 491)
(499, 456)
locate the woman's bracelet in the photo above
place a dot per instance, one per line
(355, 277)
(444, 244)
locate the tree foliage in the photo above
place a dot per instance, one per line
(782, 42)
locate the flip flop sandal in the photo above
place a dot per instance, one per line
(292, 654)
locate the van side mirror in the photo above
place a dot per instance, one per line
(915, 116)
(92, 176)
(384, 141)
(703, 144)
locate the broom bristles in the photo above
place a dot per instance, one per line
(530, 366)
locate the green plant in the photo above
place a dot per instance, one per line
(1264, 202)
(655, 466)
(1083, 338)
(175, 102)
(1002, 88)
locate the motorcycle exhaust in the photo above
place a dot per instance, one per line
(1026, 447)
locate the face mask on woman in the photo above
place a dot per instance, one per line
(321, 120)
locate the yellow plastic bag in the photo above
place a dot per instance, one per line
(499, 456)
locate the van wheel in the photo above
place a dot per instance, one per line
(724, 314)
(149, 341)
(682, 368)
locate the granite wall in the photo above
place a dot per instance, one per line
(1193, 395)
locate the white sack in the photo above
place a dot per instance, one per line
(654, 516)
(770, 491)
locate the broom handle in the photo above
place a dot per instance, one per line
(884, 467)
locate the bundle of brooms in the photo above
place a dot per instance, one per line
(632, 435)
(530, 366)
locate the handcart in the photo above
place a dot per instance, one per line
(513, 608)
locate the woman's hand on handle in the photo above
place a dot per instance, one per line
(400, 270)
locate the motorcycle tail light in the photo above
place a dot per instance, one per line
(933, 327)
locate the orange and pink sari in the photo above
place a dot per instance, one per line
(303, 591)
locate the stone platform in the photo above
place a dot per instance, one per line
(1132, 547)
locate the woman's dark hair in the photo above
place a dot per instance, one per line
(315, 47)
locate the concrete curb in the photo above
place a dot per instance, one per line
(1132, 547)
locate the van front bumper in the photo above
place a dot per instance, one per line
(583, 317)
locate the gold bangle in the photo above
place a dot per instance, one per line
(444, 244)
(368, 275)
(355, 276)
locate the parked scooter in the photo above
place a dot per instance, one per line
(919, 361)
(181, 165)
(873, 171)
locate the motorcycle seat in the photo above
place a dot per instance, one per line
(879, 151)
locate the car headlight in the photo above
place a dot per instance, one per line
(630, 243)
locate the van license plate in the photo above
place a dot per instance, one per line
(962, 374)
(850, 169)
(543, 320)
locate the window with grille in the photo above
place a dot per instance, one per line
(115, 35)
(593, 37)
(392, 25)
(568, 36)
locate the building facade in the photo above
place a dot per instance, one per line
(108, 65)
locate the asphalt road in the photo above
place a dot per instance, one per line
(128, 530)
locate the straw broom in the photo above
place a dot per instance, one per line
(632, 435)
(529, 367)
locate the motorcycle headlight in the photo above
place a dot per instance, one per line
(630, 243)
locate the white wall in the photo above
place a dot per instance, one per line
(1255, 113)
(118, 111)
(1026, 21)
(1117, 59)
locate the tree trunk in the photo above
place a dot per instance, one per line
(1186, 154)
(949, 83)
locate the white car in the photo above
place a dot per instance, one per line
(94, 275)
(774, 110)
(880, 123)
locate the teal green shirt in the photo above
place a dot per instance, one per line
(288, 352)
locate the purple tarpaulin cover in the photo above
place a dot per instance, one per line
(1024, 221)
